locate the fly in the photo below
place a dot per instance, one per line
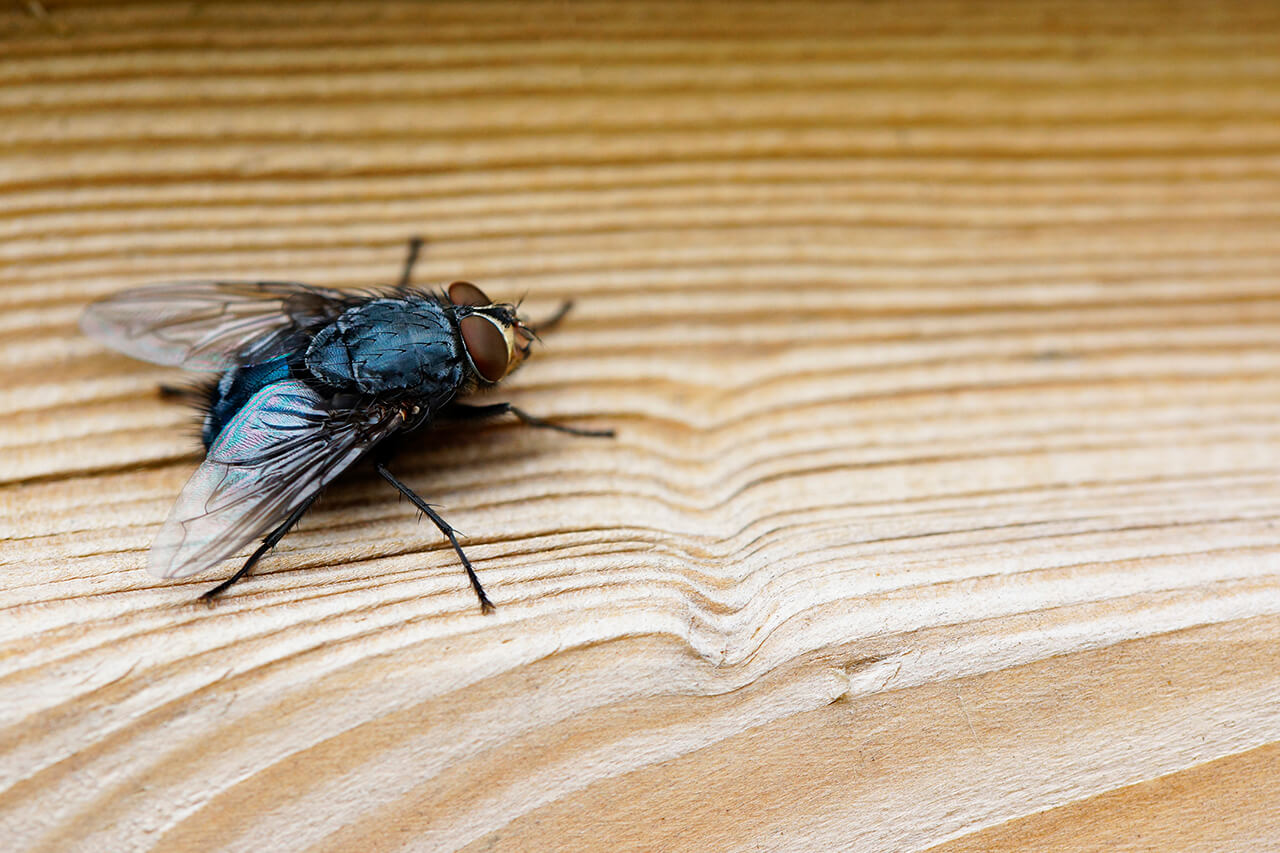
(310, 381)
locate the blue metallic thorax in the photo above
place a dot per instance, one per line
(234, 389)
(397, 348)
(393, 349)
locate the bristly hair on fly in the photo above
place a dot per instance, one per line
(198, 396)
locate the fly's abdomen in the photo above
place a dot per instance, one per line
(234, 389)
(390, 346)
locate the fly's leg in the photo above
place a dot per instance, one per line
(192, 395)
(461, 411)
(554, 320)
(486, 606)
(415, 246)
(273, 538)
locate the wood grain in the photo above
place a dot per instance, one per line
(942, 344)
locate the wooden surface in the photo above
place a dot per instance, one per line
(942, 343)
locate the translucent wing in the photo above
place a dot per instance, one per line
(212, 324)
(281, 448)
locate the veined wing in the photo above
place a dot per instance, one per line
(209, 325)
(281, 448)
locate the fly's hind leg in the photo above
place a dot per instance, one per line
(273, 538)
(461, 411)
(486, 606)
(192, 395)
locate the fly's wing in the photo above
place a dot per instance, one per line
(281, 448)
(209, 325)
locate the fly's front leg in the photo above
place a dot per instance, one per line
(461, 411)
(554, 320)
(486, 606)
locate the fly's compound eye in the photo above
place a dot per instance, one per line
(488, 347)
(466, 293)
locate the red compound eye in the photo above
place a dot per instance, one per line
(466, 293)
(486, 345)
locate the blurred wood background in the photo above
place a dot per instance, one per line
(942, 343)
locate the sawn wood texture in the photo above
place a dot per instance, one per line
(942, 340)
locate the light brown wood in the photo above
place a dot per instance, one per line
(943, 344)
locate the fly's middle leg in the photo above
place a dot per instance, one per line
(415, 247)
(486, 606)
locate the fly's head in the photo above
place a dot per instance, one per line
(494, 338)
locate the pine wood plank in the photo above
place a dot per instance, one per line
(941, 340)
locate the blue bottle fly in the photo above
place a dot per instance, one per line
(311, 380)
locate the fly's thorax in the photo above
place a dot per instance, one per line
(394, 347)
